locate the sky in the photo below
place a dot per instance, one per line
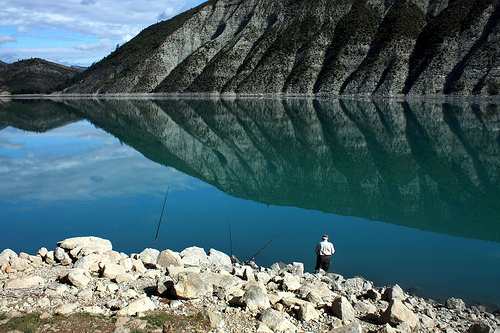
(77, 32)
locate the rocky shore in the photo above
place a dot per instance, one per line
(85, 275)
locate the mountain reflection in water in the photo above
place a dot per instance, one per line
(424, 165)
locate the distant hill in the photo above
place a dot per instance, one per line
(329, 47)
(3, 63)
(34, 76)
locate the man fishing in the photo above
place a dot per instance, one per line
(324, 250)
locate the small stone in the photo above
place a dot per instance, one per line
(45, 315)
(85, 294)
(126, 263)
(343, 309)
(307, 312)
(122, 278)
(276, 321)
(112, 288)
(43, 302)
(351, 328)
(175, 304)
(59, 254)
(213, 318)
(142, 304)
(93, 310)
(42, 252)
(65, 309)
(455, 304)
(263, 328)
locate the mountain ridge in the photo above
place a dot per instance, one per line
(34, 76)
(324, 47)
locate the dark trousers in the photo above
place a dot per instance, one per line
(323, 262)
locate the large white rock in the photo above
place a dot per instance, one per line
(219, 259)
(149, 256)
(343, 309)
(65, 309)
(19, 264)
(77, 278)
(213, 318)
(194, 256)
(111, 271)
(24, 282)
(277, 321)
(140, 305)
(307, 312)
(174, 271)
(291, 282)
(190, 285)
(8, 254)
(397, 313)
(138, 266)
(89, 245)
(169, 258)
(255, 299)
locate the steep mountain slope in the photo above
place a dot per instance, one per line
(3, 63)
(332, 47)
(34, 76)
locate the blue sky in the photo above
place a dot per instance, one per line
(77, 32)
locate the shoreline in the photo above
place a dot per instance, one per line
(441, 98)
(84, 274)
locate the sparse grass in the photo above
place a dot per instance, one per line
(29, 323)
(194, 322)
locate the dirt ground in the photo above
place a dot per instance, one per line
(84, 323)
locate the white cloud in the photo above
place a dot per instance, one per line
(103, 44)
(79, 170)
(7, 39)
(112, 20)
(9, 145)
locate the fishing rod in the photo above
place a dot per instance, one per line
(255, 255)
(161, 215)
(230, 237)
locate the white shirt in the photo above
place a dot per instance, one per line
(325, 248)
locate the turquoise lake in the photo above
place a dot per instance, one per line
(409, 192)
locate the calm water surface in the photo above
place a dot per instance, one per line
(408, 192)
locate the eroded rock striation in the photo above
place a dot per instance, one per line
(330, 47)
(235, 298)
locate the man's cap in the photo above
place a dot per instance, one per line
(325, 236)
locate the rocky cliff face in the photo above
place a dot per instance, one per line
(331, 47)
